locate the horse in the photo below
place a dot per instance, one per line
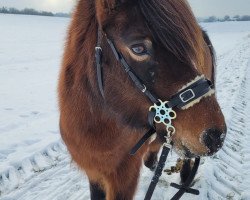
(101, 120)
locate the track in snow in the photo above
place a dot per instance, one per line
(230, 171)
(50, 174)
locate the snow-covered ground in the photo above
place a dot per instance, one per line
(30, 51)
(34, 163)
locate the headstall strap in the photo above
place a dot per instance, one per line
(160, 112)
(147, 135)
(136, 80)
(98, 59)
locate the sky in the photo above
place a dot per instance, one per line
(201, 8)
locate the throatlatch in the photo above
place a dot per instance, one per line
(160, 112)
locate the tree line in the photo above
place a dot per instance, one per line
(31, 11)
(226, 18)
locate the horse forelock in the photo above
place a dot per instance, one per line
(174, 26)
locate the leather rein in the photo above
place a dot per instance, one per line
(160, 112)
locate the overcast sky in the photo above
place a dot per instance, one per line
(201, 7)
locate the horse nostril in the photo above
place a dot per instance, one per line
(213, 139)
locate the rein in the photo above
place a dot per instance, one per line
(160, 112)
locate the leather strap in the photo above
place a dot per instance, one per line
(147, 135)
(185, 188)
(142, 141)
(138, 83)
(98, 59)
(158, 172)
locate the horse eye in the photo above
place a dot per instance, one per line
(139, 49)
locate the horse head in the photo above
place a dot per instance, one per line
(166, 48)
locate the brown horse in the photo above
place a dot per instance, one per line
(162, 42)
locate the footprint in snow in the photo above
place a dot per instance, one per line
(29, 142)
(24, 116)
(2, 156)
(8, 109)
(6, 152)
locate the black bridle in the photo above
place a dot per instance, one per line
(192, 92)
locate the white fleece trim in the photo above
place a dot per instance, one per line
(191, 82)
(152, 138)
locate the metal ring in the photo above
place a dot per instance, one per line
(171, 132)
(173, 113)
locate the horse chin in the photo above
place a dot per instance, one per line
(185, 152)
(188, 153)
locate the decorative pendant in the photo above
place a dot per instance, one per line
(165, 115)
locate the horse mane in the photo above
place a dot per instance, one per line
(79, 48)
(174, 26)
(212, 53)
(210, 46)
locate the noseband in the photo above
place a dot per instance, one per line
(159, 112)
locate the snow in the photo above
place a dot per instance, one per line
(226, 36)
(30, 53)
(34, 163)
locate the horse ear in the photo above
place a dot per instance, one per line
(105, 7)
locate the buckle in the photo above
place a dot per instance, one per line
(98, 54)
(187, 95)
(97, 48)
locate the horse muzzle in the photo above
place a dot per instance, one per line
(213, 139)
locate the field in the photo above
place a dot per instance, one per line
(34, 163)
